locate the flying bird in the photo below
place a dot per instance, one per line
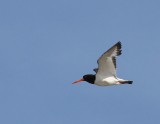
(106, 71)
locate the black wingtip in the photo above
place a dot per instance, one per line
(119, 46)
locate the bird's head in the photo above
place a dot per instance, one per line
(90, 78)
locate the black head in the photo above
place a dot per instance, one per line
(90, 78)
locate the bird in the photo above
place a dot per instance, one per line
(106, 71)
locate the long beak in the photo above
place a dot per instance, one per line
(78, 81)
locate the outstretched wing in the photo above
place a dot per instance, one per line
(107, 62)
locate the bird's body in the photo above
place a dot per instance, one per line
(106, 71)
(105, 81)
(108, 81)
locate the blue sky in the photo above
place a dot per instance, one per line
(46, 45)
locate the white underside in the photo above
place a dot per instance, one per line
(101, 81)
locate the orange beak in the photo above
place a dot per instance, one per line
(78, 81)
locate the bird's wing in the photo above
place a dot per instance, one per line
(95, 70)
(107, 62)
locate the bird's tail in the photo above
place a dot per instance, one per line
(126, 82)
(122, 81)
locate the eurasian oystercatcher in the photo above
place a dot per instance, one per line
(106, 71)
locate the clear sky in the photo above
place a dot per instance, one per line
(45, 45)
